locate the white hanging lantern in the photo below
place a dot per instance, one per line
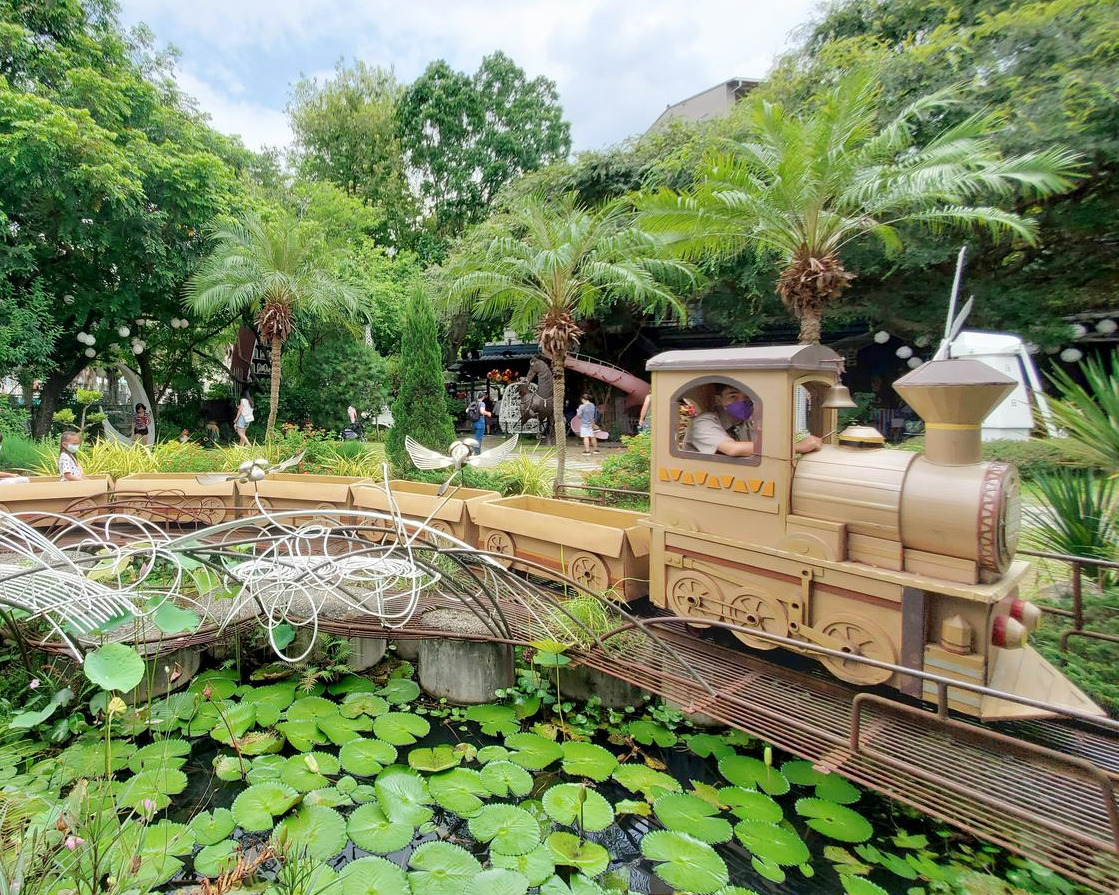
(1071, 355)
(921, 341)
(82, 337)
(90, 352)
(68, 299)
(1031, 347)
(1107, 327)
(137, 349)
(1079, 331)
(881, 337)
(904, 352)
(914, 363)
(124, 332)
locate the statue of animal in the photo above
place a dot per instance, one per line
(538, 406)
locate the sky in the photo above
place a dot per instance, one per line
(616, 63)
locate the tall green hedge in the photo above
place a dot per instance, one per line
(420, 409)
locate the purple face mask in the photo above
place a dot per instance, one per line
(740, 410)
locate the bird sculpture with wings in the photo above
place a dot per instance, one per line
(460, 454)
(250, 471)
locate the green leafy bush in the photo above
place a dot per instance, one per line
(629, 469)
(1033, 456)
(320, 384)
(1089, 663)
(1079, 515)
(1090, 415)
(21, 453)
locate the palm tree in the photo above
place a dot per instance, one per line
(805, 186)
(278, 272)
(550, 264)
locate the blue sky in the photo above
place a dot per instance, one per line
(616, 64)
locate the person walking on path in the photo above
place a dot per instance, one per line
(644, 423)
(478, 412)
(587, 413)
(244, 417)
(140, 423)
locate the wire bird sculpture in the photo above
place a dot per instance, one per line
(460, 454)
(250, 471)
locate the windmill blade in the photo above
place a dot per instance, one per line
(288, 463)
(961, 319)
(215, 478)
(495, 454)
(425, 458)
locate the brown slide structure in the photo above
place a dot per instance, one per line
(635, 387)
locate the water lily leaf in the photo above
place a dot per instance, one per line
(497, 881)
(366, 757)
(801, 773)
(571, 804)
(459, 790)
(509, 830)
(227, 767)
(769, 842)
(303, 735)
(648, 732)
(400, 728)
(346, 784)
(768, 869)
(588, 760)
(403, 796)
(434, 758)
(503, 778)
(165, 753)
(328, 796)
(255, 808)
(318, 832)
(845, 861)
(362, 793)
(685, 862)
(265, 767)
(691, 814)
(571, 851)
(532, 751)
(493, 753)
(642, 779)
(154, 784)
(495, 720)
(373, 876)
(579, 885)
(537, 865)
(114, 666)
(172, 619)
(629, 806)
(222, 684)
(749, 772)
(168, 838)
(211, 827)
(341, 730)
(836, 821)
(399, 691)
(834, 788)
(260, 742)
(270, 701)
(351, 683)
(308, 708)
(216, 859)
(706, 745)
(308, 771)
(363, 704)
(746, 804)
(370, 829)
(910, 840)
(235, 721)
(439, 868)
(857, 885)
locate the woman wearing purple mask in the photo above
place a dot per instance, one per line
(729, 429)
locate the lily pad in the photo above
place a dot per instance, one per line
(495, 720)
(434, 758)
(572, 804)
(260, 742)
(265, 767)
(835, 821)
(341, 730)
(532, 751)
(371, 830)
(168, 838)
(172, 619)
(503, 778)
(497, 881)
(404, 796)
(114, 666)
(255, 808)
(648, 733)
(537, 865)
(328, 796)
(165, 753)
(834, 788)
(439, 868)
(579, 885)
(857, 885)
(399, 691)
(308, 771)
(771, 843)
(749, 772)
(366, 757)
(221, 683)
(643, 779)
(493, 753)
(234, 721)
(366, 704)
(588, 760)
(706, 745)
(400, 728)
(509, 830)
(351, 683)
(316, 831)
(373, 876)
(691, 814)
(460, 791)
(307, 708)
(154, 784)
(216, 859)
(801, 773)
(211, 827)
(228, 767)
(685, 862)
(746, 804)
(638, 808)
(571, 851)
(304, 735)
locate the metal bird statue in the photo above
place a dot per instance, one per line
(460, 454)
(250, 471)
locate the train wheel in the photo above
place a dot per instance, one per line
(211, 511)
(500, 542)
(860, 638)
(440, 525)
(81, 509)
(695, 594)
(589, 571)
(754, 610)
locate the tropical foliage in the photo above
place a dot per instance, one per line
(1089, 413)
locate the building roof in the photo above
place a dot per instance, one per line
(762, 357)
(694, 109)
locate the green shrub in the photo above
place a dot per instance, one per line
(629, 469)
(1088, 662)
(530, 474)
(1078, 516)
(1032, 456)
(23, 454)
(320, 384)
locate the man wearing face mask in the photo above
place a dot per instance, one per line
(728, 429)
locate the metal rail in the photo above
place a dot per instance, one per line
(1077, 612)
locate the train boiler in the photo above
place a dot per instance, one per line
(893, 555)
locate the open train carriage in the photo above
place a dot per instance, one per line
(889, 555)
(604, 549)
(47, 494)
(452, 513)
(175, 498)
(283, 491)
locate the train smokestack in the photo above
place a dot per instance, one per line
(953, 397)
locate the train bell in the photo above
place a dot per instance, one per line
(839, 398)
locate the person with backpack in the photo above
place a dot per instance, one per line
(477, 413)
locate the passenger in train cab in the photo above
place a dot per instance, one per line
(727, 426)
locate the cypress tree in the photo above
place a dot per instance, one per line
(420, 409)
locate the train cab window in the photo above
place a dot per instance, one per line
(809, 415)
(719, 419)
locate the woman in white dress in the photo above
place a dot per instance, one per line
(68, 468)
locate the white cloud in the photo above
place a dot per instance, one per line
(256, 124)
(617, 63)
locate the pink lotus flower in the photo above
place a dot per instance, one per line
(72, 842)
(34, 685)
